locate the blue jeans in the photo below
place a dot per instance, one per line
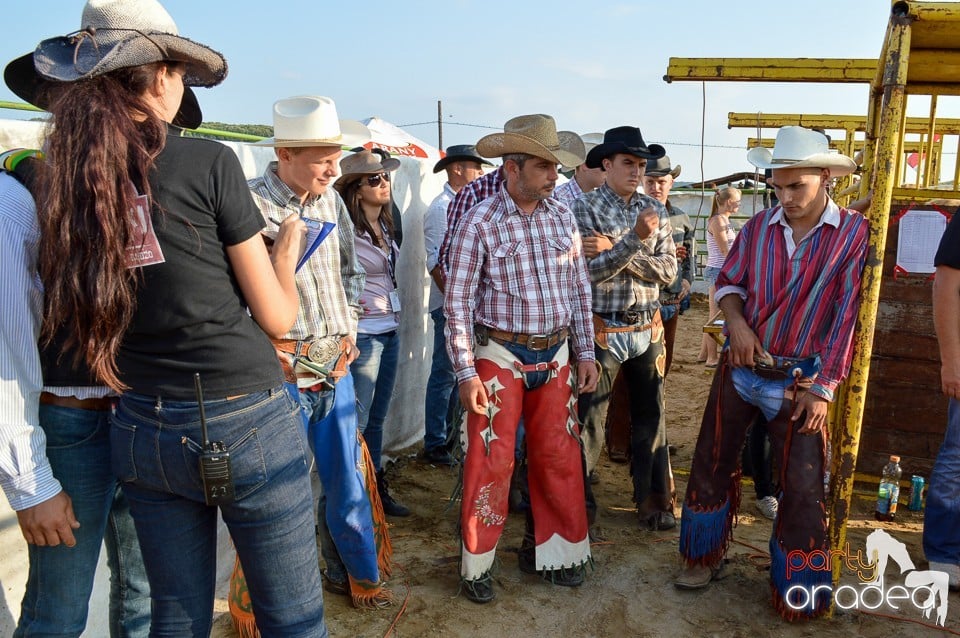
(441, 400)
(61, 578)
(941, 543)
(374, 375)
(345, 524)
(156, 446)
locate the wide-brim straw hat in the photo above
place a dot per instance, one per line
(460, 153)
(625, 140)
(799, 147)
(534, 135)
(36, 90)
(660, 167)
(356, 165)
(311, 120)
(116, 34)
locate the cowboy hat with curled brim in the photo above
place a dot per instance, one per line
(534, 135)
(355, 166)
(33, 89)
(116, 34)
(799, 147)
(311, 120)
(460, 153)
(589, 141)
(625, 140)
(573, 143)
(660, 167)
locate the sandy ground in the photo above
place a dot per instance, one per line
(630, 592)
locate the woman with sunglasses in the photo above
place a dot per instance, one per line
(365, 188)
(155, 274)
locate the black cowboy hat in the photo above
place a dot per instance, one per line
(623, 139)
(460, 153)
(21, 78)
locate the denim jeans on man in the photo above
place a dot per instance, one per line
(441, 399)
(156, 446)
(941, 542)
(374, 375)
(60, 579)
(344, 517)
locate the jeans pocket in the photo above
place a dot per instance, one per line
(247, 465)
(67, 428)
(122, 459)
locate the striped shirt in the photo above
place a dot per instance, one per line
(25, 473)
(629, 275)
(801, 299)
(330, 283)
(715, 257)
(516, 272)
(469, 196)
(568, 192)
(434, 231)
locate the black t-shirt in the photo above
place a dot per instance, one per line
(191, 315)
(949, 252)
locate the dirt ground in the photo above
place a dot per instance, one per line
(630, 592)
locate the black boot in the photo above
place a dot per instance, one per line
(390, 506)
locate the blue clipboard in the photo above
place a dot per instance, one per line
(317, 231)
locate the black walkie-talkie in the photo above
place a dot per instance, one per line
(214, 461)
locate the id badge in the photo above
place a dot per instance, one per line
(144, 247)
(395, 301)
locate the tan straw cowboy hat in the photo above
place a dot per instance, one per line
(798, 147)
(311, 120)
(534, 135)
(356, 165)
(660, 167)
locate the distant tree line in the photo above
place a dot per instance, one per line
(260, 130)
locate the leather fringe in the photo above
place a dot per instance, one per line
(241, 609)
(807, 579)
(365, 594)
(705, 534)
(381, 533)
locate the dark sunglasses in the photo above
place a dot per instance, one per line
(374, 180)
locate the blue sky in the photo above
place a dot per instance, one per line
(592, 65)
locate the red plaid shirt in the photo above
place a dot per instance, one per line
(468, 197)
(516, 272)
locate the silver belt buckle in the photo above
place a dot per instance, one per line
(323, 350)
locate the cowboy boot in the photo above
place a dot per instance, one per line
(391, 507)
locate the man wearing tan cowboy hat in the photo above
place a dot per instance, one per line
(629, 247)
(517, 289)
(789, 291)
(308, 137)
(462, 165)
(583, 180)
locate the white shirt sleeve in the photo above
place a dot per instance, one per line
(434, 228)
(25, 473)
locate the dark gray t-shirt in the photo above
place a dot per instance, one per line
(191, 315)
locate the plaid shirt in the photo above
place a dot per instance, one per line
(468, 197)
(682, 235)
(516, 272)
(330, 283)
(568, 192)
(629, 275)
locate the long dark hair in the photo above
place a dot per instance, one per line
(100, 152)
(351, 197)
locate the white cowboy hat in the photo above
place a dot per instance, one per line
(798, 147)
(311, 120)
(534, 135)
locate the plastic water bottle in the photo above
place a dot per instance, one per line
(889, 491)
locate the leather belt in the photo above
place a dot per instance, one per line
(530, 342)
(94, 405)
(627, 316)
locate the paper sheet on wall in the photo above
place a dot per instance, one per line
(920, 232)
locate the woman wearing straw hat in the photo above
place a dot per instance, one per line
(365, 189)
(151, 247)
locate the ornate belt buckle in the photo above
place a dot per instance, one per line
(323, 350)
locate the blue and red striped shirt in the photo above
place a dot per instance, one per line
(801, 299)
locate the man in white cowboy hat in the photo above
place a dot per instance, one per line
(462, 165)
(517, 289)
(789, 291)
(629, 246)
(308, 138)
(583, 180)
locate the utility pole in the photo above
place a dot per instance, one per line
(440, 125)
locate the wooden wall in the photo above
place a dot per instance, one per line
(905, 412)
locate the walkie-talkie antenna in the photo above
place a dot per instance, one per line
(198, 389)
